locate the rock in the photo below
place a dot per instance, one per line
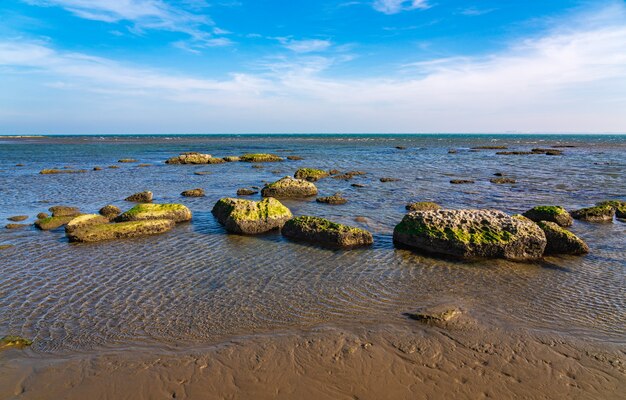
(602, 213)
(562, 241)
(618, 205)
(423, 206)
(514, 153)
(502, 181)
(361, 219)
(232, 158)
(441, 313)
(46, 224)
(498, 174)
(401, 147)
(342, 176)
(110, 211)
(310, 174)
(193, 193)
(18, 218)
(5, 246)
(294, 158)
(355, 173)
(555, 214)
(113, 166)
(389, 179)
(16, 226)
(358, 185)
(461, 181)
(149, 211)
(260, 157)
(289, 187)
(452, 151)
(214, 160)
(549, 152)
(490, 148)
(468, 234)
(127, 160)
(97, 169)
(141, 197)
(246, 192)
(190, 158)
(143, 165)
(326, 233)
(202, 173)
(251, 217)
(122, 230)
(61, 171)
(334, 172)
(64, 211)
(257, 166)
(14, 341)
(19, 165)
(83, 221)
(42, 215)
(334, 199)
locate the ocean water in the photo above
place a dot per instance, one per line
(199, 284)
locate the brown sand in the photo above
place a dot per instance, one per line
(412, 360)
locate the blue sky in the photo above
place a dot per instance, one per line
(196, 66)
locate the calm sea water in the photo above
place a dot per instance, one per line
(198, 284)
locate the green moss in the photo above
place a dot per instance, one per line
(253, 210)
(260, 157)
(555, 227)
(323, 224)
(153, 208)
(14, 341)
(550, 210)
(310, 174)
(145, 211)
(53, 222)
(483, 235)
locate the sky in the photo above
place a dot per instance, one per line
(264, 66)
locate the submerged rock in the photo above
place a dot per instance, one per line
(549, 152)
(251, 217)
(515, 153)
(562, 241)
(334, 199)
(470, 234)
(62, 171)
(110, 211)
(215, 160)
(490, 148)
(422, 206)
(42, 215)
(202, 173)
(190, 158)
(260, 157)
(141, 197)
(502, 181)
(294, 158)
(127, 160)
(289, 187)
(18, 218)
(16, 226)
(5, 246)
(358, 185)
(603, 213)
(46, 224)
(401, 147)
(149, 211)
(246, 192)
(97, 168)
(310, 174)
(122, 230)
(64, 211)
(618, 205)
(461, 181)
(442, 313)
(193, 193)
(14, 341)
(550, 213)
(389, 179)
(326, 233)
(83, 221)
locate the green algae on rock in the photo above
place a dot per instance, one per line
(618, 205)
(468, 234)
(190, 158)
(326, 233)
(232, 158)
(310, 174)
(251, 217)
(260, 157)
(5, 246)
(422, 206)
(246, 192)
(121, 230)
(62, 171)
(127, 160)
(603, 213)
(555, 214)
(17, 342)
(46, 224)
(83, 221)
(562, 241)
(150, 211)
(289, 187)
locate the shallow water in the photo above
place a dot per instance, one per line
(197, 284)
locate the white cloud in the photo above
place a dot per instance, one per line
(396, 6)
(305, 46)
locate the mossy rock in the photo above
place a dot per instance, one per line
(215, 160)
(603, 213)
(326, 233)
(83, 221)
(562, 241)
(150, 211)
(64, 211)
(289, 187)
(42, 215)
(232, 158)
(423, 206)
(5, 246)
(11, 341)
(190, 158)
(555, 214)
(46, 224)
(62, 171)
(618, 205)
(18, 218)
(310, 174)
(127, 160)
(141, 197)
(110, 211)
(122, 230)
(335, 199)
(251, 217)
(468, 234)
(193, 193)
(260, 157)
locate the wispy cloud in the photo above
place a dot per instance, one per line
(474, 12)
(396, 6)
(305, 46)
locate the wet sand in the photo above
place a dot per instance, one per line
(460, 359)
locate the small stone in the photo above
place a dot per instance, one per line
(42, 215)
(422, 206)
(358, 185)
(64, 211)
(110, 211)
(461, 181)
(452, 151)
(334, 199)
(18, 218)
(193, 193)
(502, 181)
(389, 179)
(97, 169)
(246, 192)
(401, 147)
(202, 173)
(443, 313)
(141, 197)
(127, 160)
(16, 226)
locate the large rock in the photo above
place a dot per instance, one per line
(190, 158)
(310, 174)
(326, 233)
(289, 187)
(470, 234)
(618, 205)
(141, 197)
(562, 241)
(259, 157)
(149, 211)
(251, 217)
(122, 230)
(555, 214)
(64, 211)
(84, 221)
(46, 224)
(603, 213)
